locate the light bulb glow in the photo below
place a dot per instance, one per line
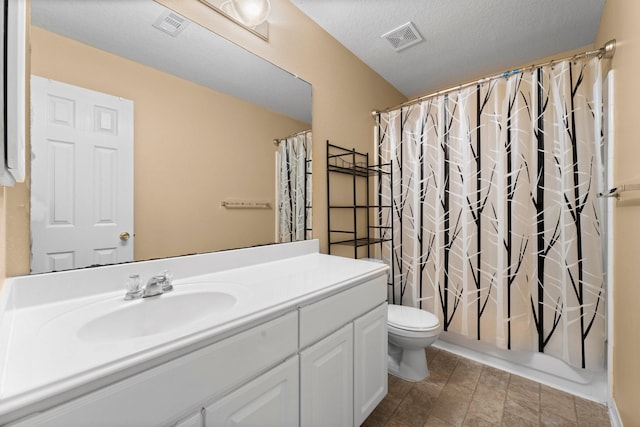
(251, 12)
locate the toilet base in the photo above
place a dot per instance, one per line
(410, 365)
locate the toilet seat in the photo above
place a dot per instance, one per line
(411, 319)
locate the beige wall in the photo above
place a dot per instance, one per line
(3, 233)
(193, 148)
(621, 20)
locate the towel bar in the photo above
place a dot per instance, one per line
(615, 192)
(244, 204)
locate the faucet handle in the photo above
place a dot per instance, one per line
(167, 284)
(133, 287)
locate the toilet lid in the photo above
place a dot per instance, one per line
(411, 319)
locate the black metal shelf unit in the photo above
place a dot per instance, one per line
(308, 208)
(356, 166)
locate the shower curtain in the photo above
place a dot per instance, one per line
(294, 187)
(495, 213)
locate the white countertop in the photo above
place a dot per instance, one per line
(43, 362)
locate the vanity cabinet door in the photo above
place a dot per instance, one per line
(270, 400)
(326, 381)
(370, 362)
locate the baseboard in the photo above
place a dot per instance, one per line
(614, 415)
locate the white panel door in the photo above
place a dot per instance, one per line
(370, 362)
(81, 177)
(326, 381)
(270, 400)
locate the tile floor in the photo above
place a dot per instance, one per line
(463, 392)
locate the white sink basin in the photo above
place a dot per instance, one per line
(159, 314)
(188, 308)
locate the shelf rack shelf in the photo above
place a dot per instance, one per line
(357, 235)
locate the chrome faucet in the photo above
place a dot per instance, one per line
(156, 285)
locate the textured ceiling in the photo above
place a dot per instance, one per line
(464, 39)
(196, 54)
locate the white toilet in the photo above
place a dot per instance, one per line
(410, 331)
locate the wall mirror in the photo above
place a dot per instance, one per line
(201, 114)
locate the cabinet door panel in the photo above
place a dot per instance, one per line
(326, 381)
(370, 362)
(269, 400)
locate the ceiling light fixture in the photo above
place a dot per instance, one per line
(249, 14)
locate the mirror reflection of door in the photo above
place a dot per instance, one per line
(293, 187)
(82, 177)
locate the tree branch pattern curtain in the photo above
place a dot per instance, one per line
(294, 188)
(497, 227)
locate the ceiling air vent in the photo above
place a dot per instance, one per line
(171, 23)
(402, 37)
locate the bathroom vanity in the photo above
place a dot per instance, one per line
(276, 335)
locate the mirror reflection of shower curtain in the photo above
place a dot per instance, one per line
(495, 208)
(294, 187)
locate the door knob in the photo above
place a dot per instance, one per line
(124, 236)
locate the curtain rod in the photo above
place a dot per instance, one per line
(277, 141)
(607, 52)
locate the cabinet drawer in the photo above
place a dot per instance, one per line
(196, 377)
(321, 318)
(194, 420)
